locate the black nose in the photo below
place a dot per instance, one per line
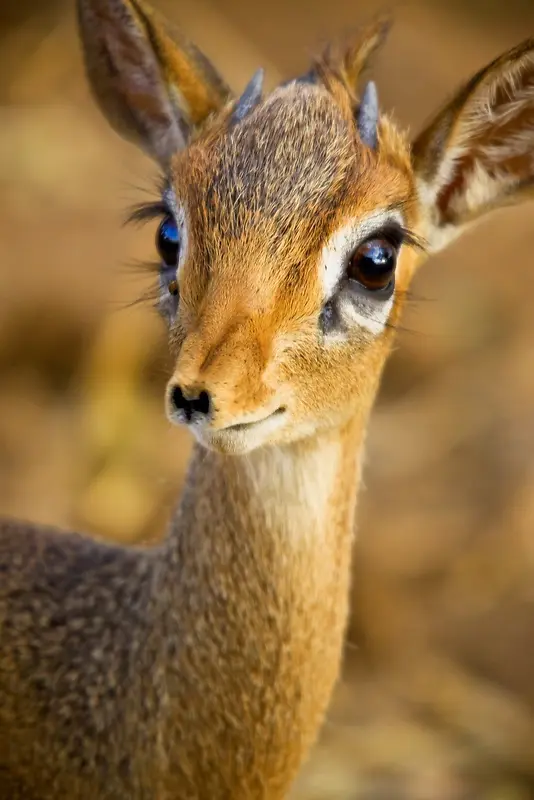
(189, 408)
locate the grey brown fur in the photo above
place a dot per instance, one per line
(129, 674)
(79, 664)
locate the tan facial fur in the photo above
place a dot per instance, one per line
(267, 199)
(257, 223)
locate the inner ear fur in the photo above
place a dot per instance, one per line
(477, 153)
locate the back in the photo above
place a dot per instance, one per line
(74, 631)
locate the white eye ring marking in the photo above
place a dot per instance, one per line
(369, 312)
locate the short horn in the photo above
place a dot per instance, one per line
(250, 97)
(368, 116)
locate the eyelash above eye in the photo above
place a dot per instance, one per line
(145, 212)
(398, 235)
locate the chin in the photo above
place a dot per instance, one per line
(241, 440)
(277, 430)
(229, 443)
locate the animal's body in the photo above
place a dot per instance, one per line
(291, 229)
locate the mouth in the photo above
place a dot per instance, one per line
(243, 436)
(245, 426)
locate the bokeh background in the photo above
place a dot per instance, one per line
(437, 696)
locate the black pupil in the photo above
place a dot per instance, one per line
(168, 241)
(376, 259)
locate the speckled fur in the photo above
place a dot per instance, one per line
(128, 673)
(203, 668)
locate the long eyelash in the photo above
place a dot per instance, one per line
(400, 235)
(143, 212)
(412, 239)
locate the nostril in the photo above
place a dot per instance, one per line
(202, 404)
(178, 400)
(189, 407)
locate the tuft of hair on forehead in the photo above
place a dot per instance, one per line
(394, 146)
(341, 64)
(340, 68)
(313, 117)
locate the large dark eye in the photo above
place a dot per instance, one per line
(168, 241)
(373, 264)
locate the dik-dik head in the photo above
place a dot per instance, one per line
(291, 225)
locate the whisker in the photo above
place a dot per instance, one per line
(147, 190)
(150, 296)
(153, 184)
(160, 368)
(411, 297)
(403, 329)
(140, 266)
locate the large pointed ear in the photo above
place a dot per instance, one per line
(478, 153)
(154, 89)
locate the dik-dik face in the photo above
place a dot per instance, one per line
(283, 241)
(290, 226)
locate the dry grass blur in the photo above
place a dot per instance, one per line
(437, 700)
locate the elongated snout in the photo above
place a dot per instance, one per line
(220, 376)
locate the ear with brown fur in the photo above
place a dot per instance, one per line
(478, 153)
(153, 89)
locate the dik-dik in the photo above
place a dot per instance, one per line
(290, 228)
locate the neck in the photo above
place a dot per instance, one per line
(258, 563)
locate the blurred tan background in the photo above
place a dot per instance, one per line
(437, 698)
